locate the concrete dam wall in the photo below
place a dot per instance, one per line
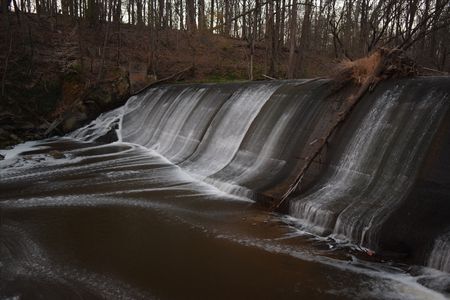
(382, 182)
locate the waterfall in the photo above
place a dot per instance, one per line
(375, 171)
(439, 257)
(250, 139)
(240, 138)
(227, 130)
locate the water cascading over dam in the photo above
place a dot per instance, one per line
(382, 181)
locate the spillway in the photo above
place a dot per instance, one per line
(251, 139)
(382, 183)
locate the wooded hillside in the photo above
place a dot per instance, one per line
(312, 31)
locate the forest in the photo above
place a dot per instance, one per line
(306, 30)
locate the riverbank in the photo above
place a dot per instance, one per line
(59, 73)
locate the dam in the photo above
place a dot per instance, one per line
(168, 196)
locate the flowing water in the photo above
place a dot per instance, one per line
(156, 199)
(374, 171)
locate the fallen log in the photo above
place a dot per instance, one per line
(366, 73)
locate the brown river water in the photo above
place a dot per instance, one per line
(118, 221)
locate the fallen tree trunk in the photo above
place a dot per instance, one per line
(366, 73)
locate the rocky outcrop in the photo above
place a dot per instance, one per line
(78, 100)
(82, 101)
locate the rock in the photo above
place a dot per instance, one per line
(27, 126)
(15, 137)
(70, 123)
(56, 154)
(109, 137)
(138, 76)
(3, 132)
(107, 95)
(122, 87)
(74, 121)
(2, 157)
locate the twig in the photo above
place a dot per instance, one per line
(268, 77)
(435, 71)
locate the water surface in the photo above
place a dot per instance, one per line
(119, 221)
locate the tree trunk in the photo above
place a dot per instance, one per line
(292, 40)
(201, 15)
(304, 38)
(211, 20)
(227, 17)
(192, 26)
